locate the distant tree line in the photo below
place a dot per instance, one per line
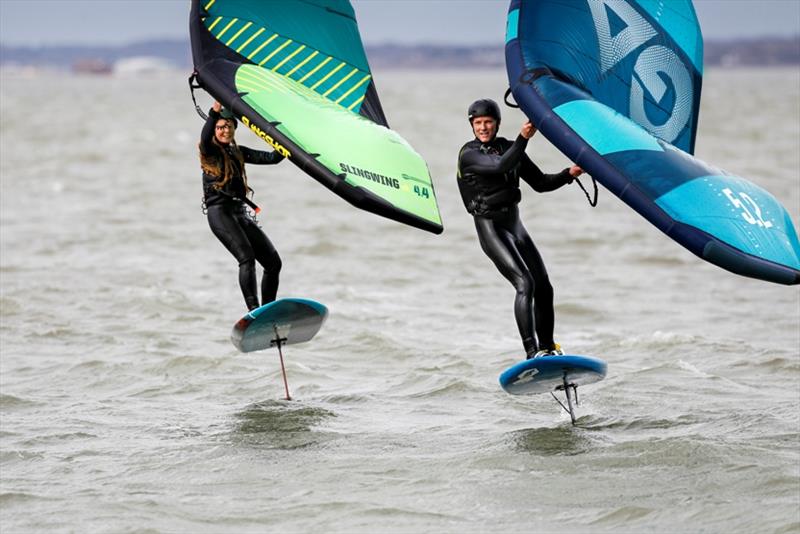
(768, 51)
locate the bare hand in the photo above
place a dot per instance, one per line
(528, 129)
(575, 171)
(217, 106)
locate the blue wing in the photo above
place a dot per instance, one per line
(615, 85)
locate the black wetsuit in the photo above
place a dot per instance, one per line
(231, 223)
(488, 179)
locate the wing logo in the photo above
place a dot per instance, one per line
(656, 68)
(753, 217)
(369, 175)
(279, 148)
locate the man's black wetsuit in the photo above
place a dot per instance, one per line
(488, 178)
(233, 226)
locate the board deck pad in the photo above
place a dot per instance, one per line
(547, 373)
(293, 320)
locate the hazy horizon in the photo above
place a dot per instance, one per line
(469, 22)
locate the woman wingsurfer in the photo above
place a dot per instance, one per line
(225, 196)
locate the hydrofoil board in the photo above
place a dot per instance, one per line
(287, 321)
(282, 322)
(547, 374)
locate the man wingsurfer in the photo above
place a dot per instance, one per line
(489, 170)
(225, 197)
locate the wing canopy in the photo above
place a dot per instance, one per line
(615, 85)
(295, 72)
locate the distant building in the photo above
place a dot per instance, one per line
(92, 66)
(141, 65)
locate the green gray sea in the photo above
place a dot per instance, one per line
(125, 408)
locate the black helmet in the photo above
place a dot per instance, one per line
(227, 114)
(484, 107)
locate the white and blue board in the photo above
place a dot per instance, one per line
(547, 374)
(285, 321)
(282, 322)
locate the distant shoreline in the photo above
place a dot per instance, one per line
(757, 52)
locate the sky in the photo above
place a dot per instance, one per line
(114, 22)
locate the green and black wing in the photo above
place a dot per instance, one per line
(295, 73)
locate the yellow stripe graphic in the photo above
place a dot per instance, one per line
(250, 75)
(253, 89)
(247, 42)
(231, 23)
(249, 72)
(281, 47)
(354, 104)
(290, 56)
(312, 54)
(265, 43)
(257, 85)
(254, 82)
(360, 82)
(248, 78)
(232, 39)
(214, 23)
(331, 73)
(211, 3)
(340, 82)
(301, 80)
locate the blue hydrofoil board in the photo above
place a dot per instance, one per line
(282, 322)
(547, 374)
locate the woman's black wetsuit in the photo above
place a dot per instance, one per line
(233, 226)
(488, 178)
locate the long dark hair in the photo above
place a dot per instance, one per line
(222, 169)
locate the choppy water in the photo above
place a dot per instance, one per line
(125, 408)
